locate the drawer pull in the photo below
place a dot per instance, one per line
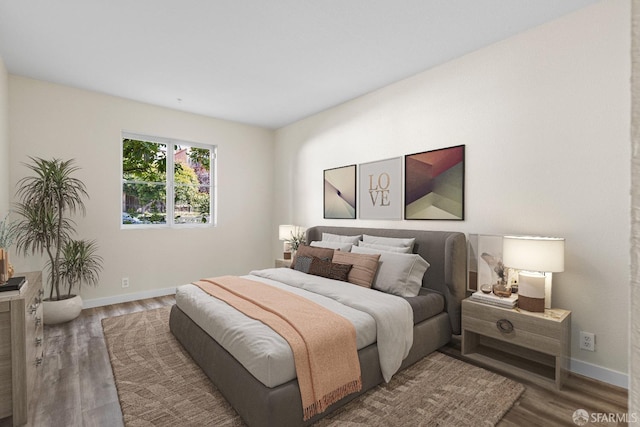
(38, 321)
(38, 341)
(504, 326)
(38, 361)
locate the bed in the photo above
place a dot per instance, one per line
(269, 401)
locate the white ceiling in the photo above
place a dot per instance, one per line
(265, 62)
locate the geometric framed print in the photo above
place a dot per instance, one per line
(380, 189)
(340, 193)
(434, 184)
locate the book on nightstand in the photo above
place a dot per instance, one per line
(492, 299)
(12, 285)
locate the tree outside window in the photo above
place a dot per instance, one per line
(166, 182)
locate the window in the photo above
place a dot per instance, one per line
(167, 182)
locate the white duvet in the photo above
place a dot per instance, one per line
(376, 316)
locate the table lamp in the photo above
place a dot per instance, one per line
(536, 258)
(286, 233)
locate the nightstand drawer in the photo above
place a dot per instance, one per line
(531, 330)
(519, 335)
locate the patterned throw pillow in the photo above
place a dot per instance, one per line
(303, 263)
(308, 251)
(364, 266)
(326, 268)
(340, 271)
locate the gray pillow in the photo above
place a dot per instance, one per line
(389, 241)
(398, 273)
(303, 263)
(403, 250)
(328, 237)
(341, 246)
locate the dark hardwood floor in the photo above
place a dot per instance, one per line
(77, 387)
(544, 406)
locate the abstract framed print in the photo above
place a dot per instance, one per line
(340, 193)
(434, 184)
(380, 189)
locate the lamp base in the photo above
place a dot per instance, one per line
(535, 305)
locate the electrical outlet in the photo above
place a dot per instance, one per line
(587, 341)
(125, 282)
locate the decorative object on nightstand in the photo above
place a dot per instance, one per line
(536, 258)
(293, 237)
(492, 299)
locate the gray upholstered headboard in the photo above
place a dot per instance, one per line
(446, 251)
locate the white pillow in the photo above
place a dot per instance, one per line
(406, 250)
(398, 274)
(328, 237)
(341, 246)
(389, 241)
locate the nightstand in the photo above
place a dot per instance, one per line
(535, 346)
(283, 263)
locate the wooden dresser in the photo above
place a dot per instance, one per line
(21, 347)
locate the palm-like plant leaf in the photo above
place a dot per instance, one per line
(80, 263)
(48, 198)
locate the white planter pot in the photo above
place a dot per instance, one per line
(62, 311)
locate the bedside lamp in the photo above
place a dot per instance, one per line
(287, 233)
(536, 258)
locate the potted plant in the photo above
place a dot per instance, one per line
(48, 199)
(297, 239)
(79, 264)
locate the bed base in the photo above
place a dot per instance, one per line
(281, 406)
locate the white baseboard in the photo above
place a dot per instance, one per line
(599, 373)
(99, 302)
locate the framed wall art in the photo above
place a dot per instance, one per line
(380, 189)
(434, 184)
(340, 193)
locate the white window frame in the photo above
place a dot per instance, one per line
(170, 209)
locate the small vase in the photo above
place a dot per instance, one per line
(502, 290)
(5, 268)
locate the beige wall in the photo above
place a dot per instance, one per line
(49, 120)
(4, 140)
(545, 119)
(634, 349)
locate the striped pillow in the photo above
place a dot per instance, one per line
(364, 266)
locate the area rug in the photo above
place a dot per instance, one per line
(159, 385)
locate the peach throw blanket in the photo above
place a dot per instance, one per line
(323, 343)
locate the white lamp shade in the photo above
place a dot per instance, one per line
(285, 232)
(530, 253)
